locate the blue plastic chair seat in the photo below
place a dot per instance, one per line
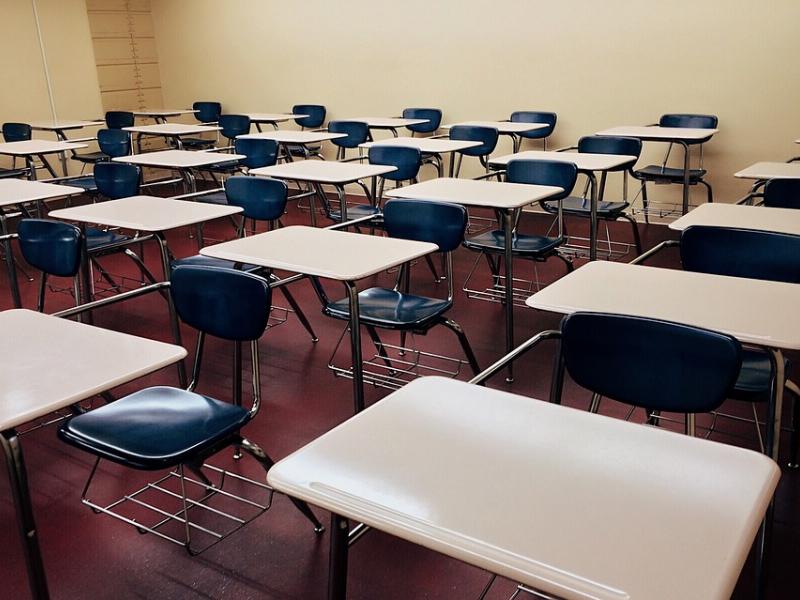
(9, 173)
(355, 212)
(198, 260)
(87, 183)
(530, 245)
(91, 157)
(755, 376)
(583, 206)
(298, 150)
(389, 309)
(155, 428)
(96, 239)
(228, 166)
(215, 198)
(669, 173)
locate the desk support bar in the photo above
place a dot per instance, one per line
(654, 250)
(82, 308)
(480, 378)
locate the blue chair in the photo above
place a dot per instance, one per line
(668, 366)
(53, 247)
(232, 126)
(782, 193)
(112, 143)
(759, 255)
(406, 159)
(261, 200)
(534, 116)
(257, 153)
(357, 133)
(434, 116)
(529, 246)
(315, 115)
(397, 309)
(487, 136)
(606, 211)
(169, 428)
(117, 119)
(15, 132)
(208, 113)
(314, 119)
(117, 180)
(662, 174)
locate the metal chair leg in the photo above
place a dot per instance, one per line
(432, 268)
(257, 453)
(645, 203)
(709, 192)
(376, 341)
(462, 338)
(637, 240)
(794, 441)
(300, 314)
(594, 405)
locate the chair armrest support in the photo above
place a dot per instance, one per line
(523, 348)
(654, 250)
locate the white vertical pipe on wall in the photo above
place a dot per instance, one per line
(44, 61)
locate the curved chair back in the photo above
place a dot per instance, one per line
(357, 133)
(439, 223)
(782, 193)
(610, 144)
(764, 255)
(117, 119)
(16, 132)
(315, 115)
(434, 116)
(689, 120)
(222, 302)
(260, 198)
(258, 152)
(668, 366)
(543, 172)
(407, 160)
(534, 116)
(114, 142)
(53, 247)
(117, 180)
(233, 126)
(207, 112)
(487, 136)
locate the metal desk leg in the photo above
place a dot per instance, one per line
(508, 227)
(685, 176)
(593, 217)
(18, 478)
(342, 202)
(10, 266)
(452, 169)
(355, 344)
(173, 314)
(31, 167)
(337, 561)
(62, 137)
(85, 287)
(516, 142)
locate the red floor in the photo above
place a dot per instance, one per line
(278, 556)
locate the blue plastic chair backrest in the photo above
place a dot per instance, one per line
(222, 302)
(117, 119)
(259, 152)
(439, 223)
(234, 125)
(689, 120)
(408, 160)
(764, 255)
(648, 363)
(535, 116)
(610, 144)
(315, 115)
(487, 136)
(16, 132)
(114, 142)
(543, 172)
(260, 198)
(782, 193)
(53, 247)
(434, 116)
(117, 180)
(207, 112)
(357, 133)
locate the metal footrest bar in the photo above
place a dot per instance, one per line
(522, 289)
(476, 225)
(393, 366)
(578, 247)
(140, 503)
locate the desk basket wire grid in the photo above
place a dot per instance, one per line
(392, 366)
(192, 512)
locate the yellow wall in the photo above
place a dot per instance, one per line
(596, 63)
